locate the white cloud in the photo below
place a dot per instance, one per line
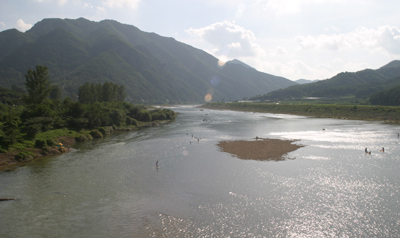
(385, 38)
(22, 26)
(121, 3)
(278, 51)
(231, 40)
(87, 5)
(2, 24)
(285, 7)
(101, 10)
(62, 2)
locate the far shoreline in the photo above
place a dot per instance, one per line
(386, 114)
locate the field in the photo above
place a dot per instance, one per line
(357, 112)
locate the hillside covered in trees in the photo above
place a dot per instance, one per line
(361, 84)
(152, 68)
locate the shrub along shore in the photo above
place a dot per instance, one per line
(48, 143)
(359, 112)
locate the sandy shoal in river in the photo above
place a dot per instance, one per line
(259, 149)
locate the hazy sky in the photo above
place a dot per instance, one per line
(310, 39)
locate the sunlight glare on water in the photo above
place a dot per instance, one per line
(112, 187)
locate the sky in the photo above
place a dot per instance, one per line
(295, 39)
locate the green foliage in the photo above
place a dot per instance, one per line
(55, 93)
(11, 97)
(106, 130)
(51, 142)
(143, 115)
(108, 92)
(158, 116)
(10, 128)
(38, 124)
(360, 112)
(390, 97)
(96, 134)
(40, 144)
(131, 121)
(37, 85)
(24, 156)
(360, 84)
(83, 138)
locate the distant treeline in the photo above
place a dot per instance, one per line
(359, 112)
(377, 87)
(389, 97)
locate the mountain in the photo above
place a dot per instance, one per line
(152, 68)
(305, 81)
(235, 61)
(360, 84)
(387, 97)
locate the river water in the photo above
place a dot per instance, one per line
(112, 188)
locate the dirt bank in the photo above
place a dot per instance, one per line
(259, 149)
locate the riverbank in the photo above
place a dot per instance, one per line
(50, 140)
(260, 149)
(360, 112)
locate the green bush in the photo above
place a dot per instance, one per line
(83, 138)
(40, 144)
(106, 130)
(131, 121)
(144, 115)
(96, 134)
(24, 156)
(158, 116)
(51, 142)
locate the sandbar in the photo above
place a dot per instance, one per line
(260, 149)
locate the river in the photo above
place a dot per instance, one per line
(112, 188)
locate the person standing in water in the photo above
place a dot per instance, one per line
(157, 164)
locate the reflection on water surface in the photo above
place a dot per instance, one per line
(111, 187)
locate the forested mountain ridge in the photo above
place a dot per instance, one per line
(360, 84)
(152, 68)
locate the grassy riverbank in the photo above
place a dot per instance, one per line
(47, 143)
(359, 112)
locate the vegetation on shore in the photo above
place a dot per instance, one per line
(35, 124)
(357, 112)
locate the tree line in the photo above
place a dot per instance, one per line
(42, 109)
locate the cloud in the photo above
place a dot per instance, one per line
(22, 26)
(385, 38)
(100, 10)
(62, 2)
(286, 7)
(87, 5)
(230, 39)
(121, 3)
(279, 51)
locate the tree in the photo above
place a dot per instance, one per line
(37, 85)
(55, 93)
(108, 92)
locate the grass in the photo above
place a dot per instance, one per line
(56, 133)
(358, 112)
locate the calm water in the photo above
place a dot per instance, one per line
(111, 187)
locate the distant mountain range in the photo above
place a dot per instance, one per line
(152, 68)
(305, 81)
(361, 84)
